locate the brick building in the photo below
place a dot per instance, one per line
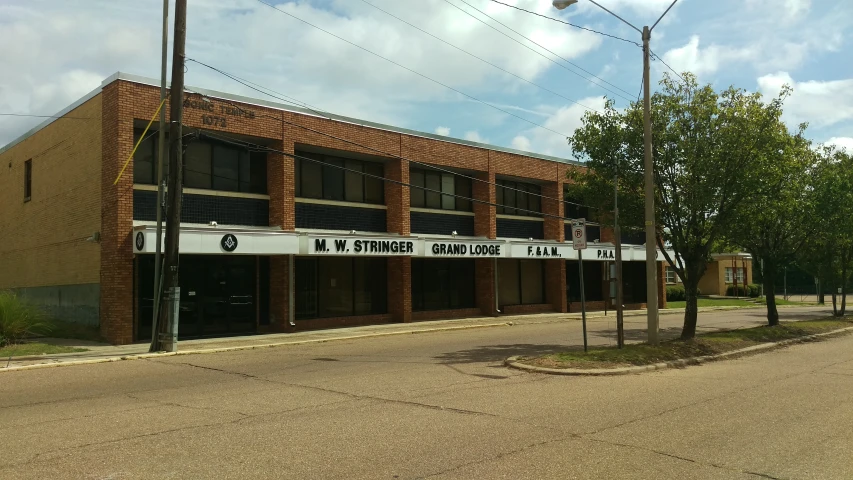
(291, 221)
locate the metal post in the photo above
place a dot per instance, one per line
(617, 234)
(173, 220)
(158, 261)
(583, 299)
(651, 234)
(291, 304)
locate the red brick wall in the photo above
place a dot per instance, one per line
(484, 285)
(400, 288)
(525, 309)
(319, 323)
(555, 284)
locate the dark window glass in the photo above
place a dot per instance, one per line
(145, 159)
(433, 184)
(197, 166)
(573, 210)
(340, 287)
(521, 282)
(463, 189)
(516, 198)
(532, 282)
(374, 188)
(243, 172)
(509, 289)
(28, 180)
(258, 172)
(297, 171)
(416, 178)
(312, 179)
(451, 186)
(225, 168)
(442, 284)
(354, 182)
(333, 179)
(510, 199)
(499, 199)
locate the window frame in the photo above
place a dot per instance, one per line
(670, 270)
(369, 193)
(453, 267)
(316, 297)
(449, 180)
(510, 194)
(520, 262)
(28, 180)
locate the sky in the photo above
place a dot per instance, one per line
(497, 75)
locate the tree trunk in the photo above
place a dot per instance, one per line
(843, 288)
(691, 312)
(834, 305)
(769, 274)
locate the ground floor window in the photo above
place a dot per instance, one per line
(671, 276)
(521, 282)
(442, 284)
(593, 281)
(735, 273)
(340, 287)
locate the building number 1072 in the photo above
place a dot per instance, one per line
(213, 120)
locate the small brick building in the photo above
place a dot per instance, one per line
(291, 220)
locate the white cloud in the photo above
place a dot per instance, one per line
(565, 119)
(706, 60)
(445, 131)
(841, 142)
(256, 42)
(474, 136)
(820, 103)
(521, 142)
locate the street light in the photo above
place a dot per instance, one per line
(651, 234)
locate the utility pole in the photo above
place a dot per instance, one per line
(651, 234)
(617, 235)
(158, 257)
(171, 307)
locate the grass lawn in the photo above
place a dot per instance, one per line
(705, 344)
(714, 302)
(28, 349)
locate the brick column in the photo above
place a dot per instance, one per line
(280, 186)
(398, 221)
(555, 270)
(661, 284)
(116, 302)
(485, 225)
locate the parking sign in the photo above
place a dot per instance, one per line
(579, 234)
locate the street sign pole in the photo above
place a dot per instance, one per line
(579, 244)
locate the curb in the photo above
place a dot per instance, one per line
(515, 362)
(200, 351)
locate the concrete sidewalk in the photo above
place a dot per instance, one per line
(100, 352)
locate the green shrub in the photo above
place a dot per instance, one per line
(19, 319)
(675, 294)
(754, 290)
(742, 291)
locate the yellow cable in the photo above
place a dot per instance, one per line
(140, 141)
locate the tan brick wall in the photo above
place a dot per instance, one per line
(710, 282)
(44, 239)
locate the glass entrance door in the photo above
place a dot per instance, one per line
(218, 296)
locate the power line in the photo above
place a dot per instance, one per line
(42, 116)
(326, 116)
(460, 92)
(480, 58)
(540, 46)
(567, 23)
(656, 57)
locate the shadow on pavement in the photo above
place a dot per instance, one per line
(498, 353)
(639, 334)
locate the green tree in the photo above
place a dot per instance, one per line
(704, 143)
(774, 224)
(829, 252)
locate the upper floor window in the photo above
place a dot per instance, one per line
(328, 177)
(518, 198)
(446, 183)
(572, 209)
(28, 180)
(207, 165)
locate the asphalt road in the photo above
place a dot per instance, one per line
(438, 406)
